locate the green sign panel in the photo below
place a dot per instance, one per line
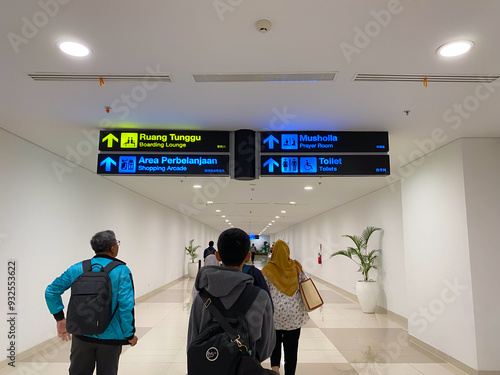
(164, 141)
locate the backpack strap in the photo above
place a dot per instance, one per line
(111, 265)
(87, 265)
(250, 270)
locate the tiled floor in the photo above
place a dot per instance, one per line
(339, 339)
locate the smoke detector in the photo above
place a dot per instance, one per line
(263, 26)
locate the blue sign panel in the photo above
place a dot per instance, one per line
(321, 141)
(163, 164)
(325, 165)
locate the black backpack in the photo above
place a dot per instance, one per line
(89, 308)
(216, 351)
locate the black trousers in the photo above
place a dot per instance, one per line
(290, 341)
(85, 355)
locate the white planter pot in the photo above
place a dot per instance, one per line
(367, 293)
(192, 269)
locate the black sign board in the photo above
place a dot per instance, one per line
(164, 141)
(163, 164)
(324, 165)
(322, 141)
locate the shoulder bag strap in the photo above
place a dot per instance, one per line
(298, 273)
(210, 305)
(246, 299)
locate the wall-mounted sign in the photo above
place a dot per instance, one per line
(324, 165)
(164, 141)
(321, 141)
(163, 164)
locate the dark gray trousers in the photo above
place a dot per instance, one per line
(85, 355)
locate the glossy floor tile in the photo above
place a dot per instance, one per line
(338, 339)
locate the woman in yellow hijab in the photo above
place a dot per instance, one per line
(283, 275)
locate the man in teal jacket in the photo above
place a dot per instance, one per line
(103, 349)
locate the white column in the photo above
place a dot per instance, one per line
(450, 250)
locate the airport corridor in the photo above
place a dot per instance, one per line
(338, 339)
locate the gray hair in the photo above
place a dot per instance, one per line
(102, 241)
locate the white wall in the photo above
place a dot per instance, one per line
(437, 255)
(481, 159)
(381, 208)
(46, 225)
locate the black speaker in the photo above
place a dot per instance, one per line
(244, 155)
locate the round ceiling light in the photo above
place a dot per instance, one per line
(456, 48)
(74, 49)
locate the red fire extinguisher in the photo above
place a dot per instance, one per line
(319, 254)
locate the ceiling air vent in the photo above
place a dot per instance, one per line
(455, 78)
(56, 77)
(265, 77)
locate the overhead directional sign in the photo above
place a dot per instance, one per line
(324, 165)
(164, 140)
(163, 164)
(322, 141)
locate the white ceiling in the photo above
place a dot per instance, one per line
(219, 36)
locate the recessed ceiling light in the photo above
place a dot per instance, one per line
(283, 212)
(292, 202)
(74, 49)
(277, 217)
(455, 48)
(273, 221)
(197, 186)
(308, 188)
(223, 216)
(210, 202)
(217, 210)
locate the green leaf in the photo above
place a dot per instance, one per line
(359, 254)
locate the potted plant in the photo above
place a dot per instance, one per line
(264, 249)
(367, 290)
(191, 251)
